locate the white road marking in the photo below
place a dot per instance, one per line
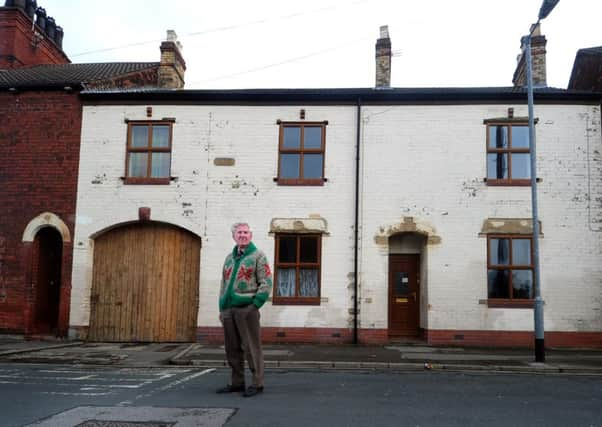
(59, 393)
(166, 387)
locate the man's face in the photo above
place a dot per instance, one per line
(242, 236)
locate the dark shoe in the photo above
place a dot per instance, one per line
(252, 391)
(231, 389)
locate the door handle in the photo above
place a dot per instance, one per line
(413, 295)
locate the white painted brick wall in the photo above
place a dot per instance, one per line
(426, 162)
(221, 195)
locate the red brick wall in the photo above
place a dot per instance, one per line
(39, 148)
(520, 339)
(16, 49)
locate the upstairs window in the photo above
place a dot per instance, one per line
(148, 159)
(298, 266)
(508, 160)
(509, 270)
(301, 153)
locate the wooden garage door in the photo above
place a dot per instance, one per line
(145, 284)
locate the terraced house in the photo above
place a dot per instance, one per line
(39, 143)
(388, 213)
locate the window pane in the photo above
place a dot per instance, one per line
(401, 284)
(497, 284)
(287, 249)
(521, 252)
(497, 166)
(289, 166)
(308, 283)
(521, 166)
(138, 164)
(312, 137)
(160, 165)
(312, 166)
(286, 282)
(291, 137)
(160, 136)
(498, 137)
(309, 249)
(520, 136)
(522, 284)
(140, 136)
(499, 251)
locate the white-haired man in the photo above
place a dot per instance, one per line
(245, 287)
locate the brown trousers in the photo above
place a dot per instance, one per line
(242, 336)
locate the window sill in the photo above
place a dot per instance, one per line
(147, 181)
(295, 301)
(509, 182)
(309, 182)
(510, 303)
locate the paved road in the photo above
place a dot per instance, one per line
(42, 393)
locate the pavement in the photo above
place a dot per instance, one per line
(400, 357)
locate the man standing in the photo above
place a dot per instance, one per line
(246, 285)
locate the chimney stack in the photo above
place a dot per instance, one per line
(172, 66)
(383, 59)
(538, 61)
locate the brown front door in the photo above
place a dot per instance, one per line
(48, 256)
(145, 284)
(404, 294)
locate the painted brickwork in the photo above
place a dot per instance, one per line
(422, 165)
(206, 199)
(39, 140)
(430, 162)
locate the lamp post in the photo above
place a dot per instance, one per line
(540, 355)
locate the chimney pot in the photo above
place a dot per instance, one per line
(50, 28)
(41, 18)
(58, 37)
(384, 32)
(30, 8)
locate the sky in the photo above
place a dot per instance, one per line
(236, 44)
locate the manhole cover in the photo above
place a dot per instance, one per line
(104, 423)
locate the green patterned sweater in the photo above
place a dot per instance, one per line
(246, 279)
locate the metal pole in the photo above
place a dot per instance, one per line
(356, 223)
(540, 355)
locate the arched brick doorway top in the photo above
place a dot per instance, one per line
(46, 219)
(408, 224)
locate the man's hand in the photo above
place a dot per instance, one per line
(221, 318)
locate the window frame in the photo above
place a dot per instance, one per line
(297, 299)
(518, 182)
(510, 302)
(301, 151)
(149, 149)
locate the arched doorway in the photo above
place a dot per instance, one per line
(145, 284)
(48, 256)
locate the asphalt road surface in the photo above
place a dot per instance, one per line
(47, 395)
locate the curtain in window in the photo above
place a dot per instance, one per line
(503, 252)
(286, 282)
(308, 283)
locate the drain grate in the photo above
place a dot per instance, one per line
(105, 423)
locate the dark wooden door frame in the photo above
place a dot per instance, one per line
(405, 308)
